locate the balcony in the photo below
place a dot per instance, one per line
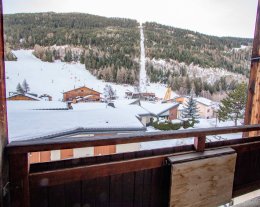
(141, 178)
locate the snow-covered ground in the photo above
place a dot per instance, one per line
(55, 78)
(143, 78)
(58, 77)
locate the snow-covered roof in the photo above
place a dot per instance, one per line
(158, 108)
(29, 124)
(204, 101)
(35, 105)
(123, 105)
(124, 102)
(26, 95)
(81, 88)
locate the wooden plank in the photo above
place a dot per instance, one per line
(147, 186)
(19, 171)
(66, 154)
(39, 197)
(88, 190)
(34, 157)
(72, 194)
(45, 156)
(56, 196)
(201, 182)
(104, 150)
(252, 113)
(138, 190)
(199, 143)
(199, 155)
(128, 184)
(102, 188)
(3, 118)
(56, 177)
(116, 185)
(76, 142)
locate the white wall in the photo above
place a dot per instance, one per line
(55, 155)
(83, 152)
(120, 148)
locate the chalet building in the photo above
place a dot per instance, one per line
(82, 94)
(23, 97)
(205, 108)
(162, 110)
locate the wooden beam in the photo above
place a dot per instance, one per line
(252, 114)
(70, 142)
(199, 143)
(3, 118)
(56, 177)
(19, 184)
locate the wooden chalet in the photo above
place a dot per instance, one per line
(200, 174)
(82, 94)
(23, 97)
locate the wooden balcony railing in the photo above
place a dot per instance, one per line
(128, 179)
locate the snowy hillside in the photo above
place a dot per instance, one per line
(58, 77)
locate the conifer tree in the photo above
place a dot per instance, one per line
(190, 109)
(19, 89)
(25, 86)
(233, 106)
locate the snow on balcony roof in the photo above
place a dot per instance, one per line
(157, 108)
(29, 124)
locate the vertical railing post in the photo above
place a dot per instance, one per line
(19, 182)
(3, 120)
(252, 113)
(199, 143)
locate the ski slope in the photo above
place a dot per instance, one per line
(143, 78)
(58, 77)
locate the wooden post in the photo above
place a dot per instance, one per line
(3, 118)
(19, 180)
(199, 143)
(252, 115)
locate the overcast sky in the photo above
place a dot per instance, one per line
(215, 17)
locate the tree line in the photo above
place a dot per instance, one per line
(165, 42)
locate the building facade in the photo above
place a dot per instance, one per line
(82, 94)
